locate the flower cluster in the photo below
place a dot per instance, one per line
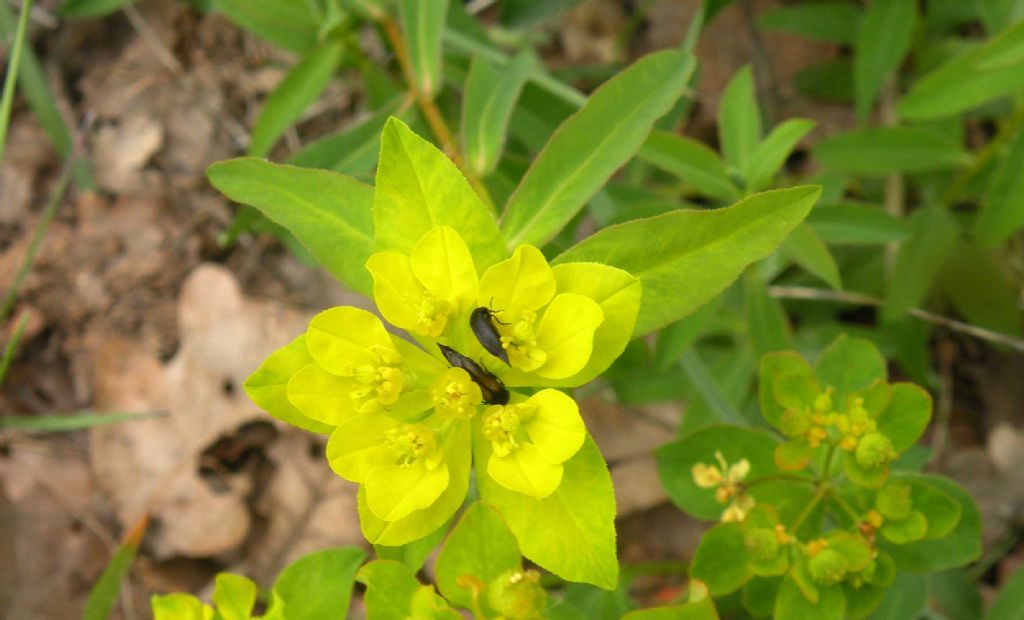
(727, 481)
(405, 418)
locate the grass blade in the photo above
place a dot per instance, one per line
(33, 87)
(72, 421)
(12, 73)
(104, 594)
(12, 346)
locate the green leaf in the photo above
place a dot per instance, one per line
(590, 602)
(835, 22)
(766, 320)
(905, 598)
(1009, 604)
(933, 235)
(759, 595)
(979, 287)
(489, 96)
(352, 151)
(805, 248)
(413, 554)
(676, 461)
(856, 224)
(831, 80)
(964, 82)
(234, 596)
(419, 189)
(592, 144)
(297, 91)
(481, 546)
(423, 25)
(684, 258)
(792, 605)
(961, 546)
(90, 8)
(941, 509)
(769, 156)
(739, 120)
(691, 161)
(877, 151)
(392, 593)
(958, 595)
(317, 585)
(284, 23)
(907, 415)
(1002, 211)
(721, 560)
(848, 365)
(328, 213)
(570, 532)
(105, 591)
(882, 42)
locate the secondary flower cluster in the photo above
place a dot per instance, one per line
(404, 419)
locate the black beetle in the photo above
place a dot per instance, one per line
(493, 390)
(481, 321)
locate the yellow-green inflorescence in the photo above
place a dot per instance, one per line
(403, 422)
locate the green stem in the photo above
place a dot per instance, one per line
(12, 346)
(828, 462)
(811, 505)
(780, 478)
(12, 73)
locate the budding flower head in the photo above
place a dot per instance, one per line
(874, 450)
(517, 595)
(827, 567)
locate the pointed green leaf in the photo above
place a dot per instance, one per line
(490, 95)
(297, 91)
(856, 224)
(592, 144)
(691, 161)
(684, 258)
(481, 546)
(1002, 211)
(570, 532)
(1009, 604)
(284, 23)
(933, 235)
(963, 82)
(835, 22)
(419, 189)
(881, 44)
(805, 248)
(328, 213)
(883, 150)
(739, 120)
(766, 320)
(352, 151)
(769, 156)
(423, 25)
